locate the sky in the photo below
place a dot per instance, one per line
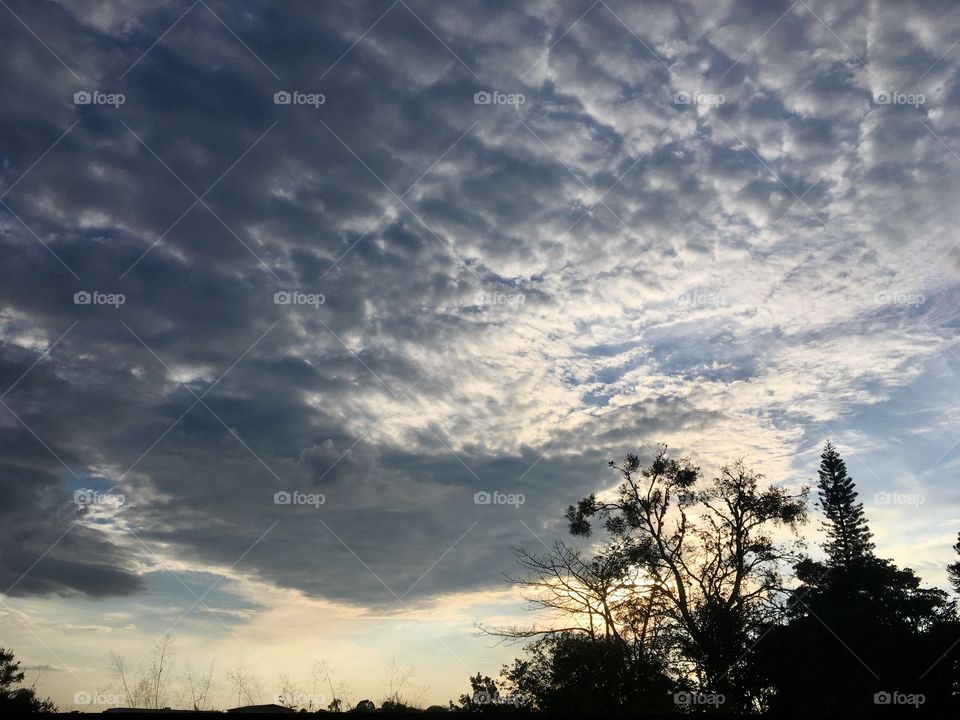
(310, 311)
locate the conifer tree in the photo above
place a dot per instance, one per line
(953, 569)
(848, 536)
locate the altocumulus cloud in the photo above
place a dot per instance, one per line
(723, 225)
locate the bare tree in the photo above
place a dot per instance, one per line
(398, 679)
(146, 688)
(595, 597)
(601, 638)
(321, 674)
(159, 672)
(133, 692)
(244, 684)
(199, 684)
(290, 695)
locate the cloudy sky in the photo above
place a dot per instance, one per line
(392, 255)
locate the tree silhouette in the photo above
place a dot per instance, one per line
(576, 673)
(593, 596)
(708, 553)
(605, 652)
(953, 569)
(146, 687)
(685, 592)
(848, 536)
(484, 693)
(244, 684)
(397, 682)
(16, 700)
(199, 685)
(857, 625)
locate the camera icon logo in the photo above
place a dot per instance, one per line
(82, 497)
(282, 497)
(82, 298)
(883, 98)
(82, 97)
(82, 698)
(282, 97)
(482, 697)
(882, 698)
(282, 297)
(482, 97)
(482, 498)
(682, 97)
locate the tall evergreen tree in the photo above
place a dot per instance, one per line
(848, 536)
(953, 569)
(857, 625)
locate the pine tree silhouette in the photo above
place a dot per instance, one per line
(953, 569)
(848, 535)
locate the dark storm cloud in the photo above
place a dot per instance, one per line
(599, 201)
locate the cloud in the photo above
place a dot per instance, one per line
(512, 293)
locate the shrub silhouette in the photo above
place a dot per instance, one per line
(16, 700)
